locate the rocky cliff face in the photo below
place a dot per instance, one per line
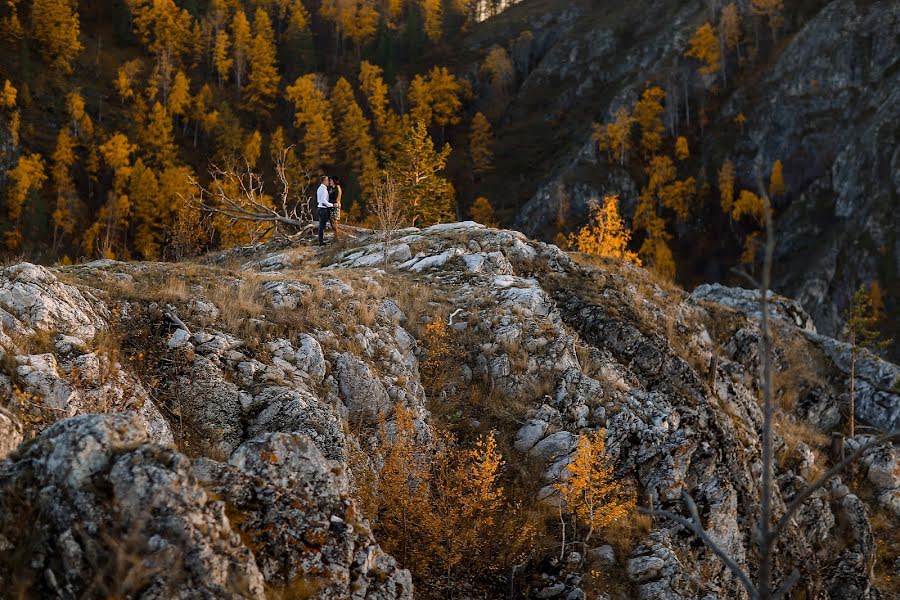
(189, 426)
(824, 102)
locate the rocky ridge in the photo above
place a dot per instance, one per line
(227, 395)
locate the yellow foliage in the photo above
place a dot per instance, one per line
(158, 137)
(591, 491)
(482, 212)
(63, 184)
(356, 19)
(354, 135)
(56, 27)
(654, 250)
(615, 137)
(605, 234)
(222, 60)
(433, 13)
(498, 69)
(180, 96)
(438, 97)
(263, 77)
(313, 117)
(771, 9)
(8, 96)
(647, 113)
(480, 141)
(731, 26)
(26, 176)
(125, 76)
(776, 180)
(240, 33)
(388, 127)
(726, 186)
(253, 148)
(704, 46)
(682, 151)
(749, 204)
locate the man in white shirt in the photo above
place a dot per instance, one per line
(323, 207)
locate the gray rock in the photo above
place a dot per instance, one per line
(95, 493)
(10, 432)
(555, 446)
(33, 299)
(293, 410)
(645, 568)
(295, 506)
(529, 434)
(364, 396)
(551, 591)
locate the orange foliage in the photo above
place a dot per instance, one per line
(648, 113)
(615, 137)
(704, 46)
(591, 492)
(482, 212)
(605, 234)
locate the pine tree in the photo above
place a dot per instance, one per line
(56, 27)
(862, 334)
(26, 177)
(202, 114)
(437, 98)
(704, 46)
(480, 141)
(63, 184)
(240, 33)
(682, 151)
(731, 27)
(647, 113)
(221, 58)
(771, 10)
(313, 118)
(80, 121)
(143, 191)
(605, 234)
(388, 128)
(263, 78)
(428, 197)
(654, 250)
(776, 180)
(615, 137)
(253, 149)
(166, 31)
(158, 138)
(433, 14)
(354, 135)
(8, 96)
(482, 212)
(726, 186)
(356, 20)
(180, 96)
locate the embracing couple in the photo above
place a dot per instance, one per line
(328, 201)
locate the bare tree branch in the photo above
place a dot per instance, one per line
(695, 526)
(801, 497)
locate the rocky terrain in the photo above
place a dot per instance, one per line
(188, 427)
(823, 99)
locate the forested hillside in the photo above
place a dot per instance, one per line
(113, 113)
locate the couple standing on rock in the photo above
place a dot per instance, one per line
(328, 201)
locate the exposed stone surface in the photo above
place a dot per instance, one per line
(90, 495)
(276, 400)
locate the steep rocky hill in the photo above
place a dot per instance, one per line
(822, 98)
(198, 420)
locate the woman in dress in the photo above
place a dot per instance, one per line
(335, 192)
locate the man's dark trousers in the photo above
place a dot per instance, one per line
(324, 215)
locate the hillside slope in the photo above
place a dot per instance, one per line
(243, 387)
(822, 99)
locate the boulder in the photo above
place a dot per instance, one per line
(91, 496)
(362, 393)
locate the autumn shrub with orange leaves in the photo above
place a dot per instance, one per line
(592, 495)
(441, 510)
(605, 234)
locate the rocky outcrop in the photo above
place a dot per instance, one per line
(268, 408)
